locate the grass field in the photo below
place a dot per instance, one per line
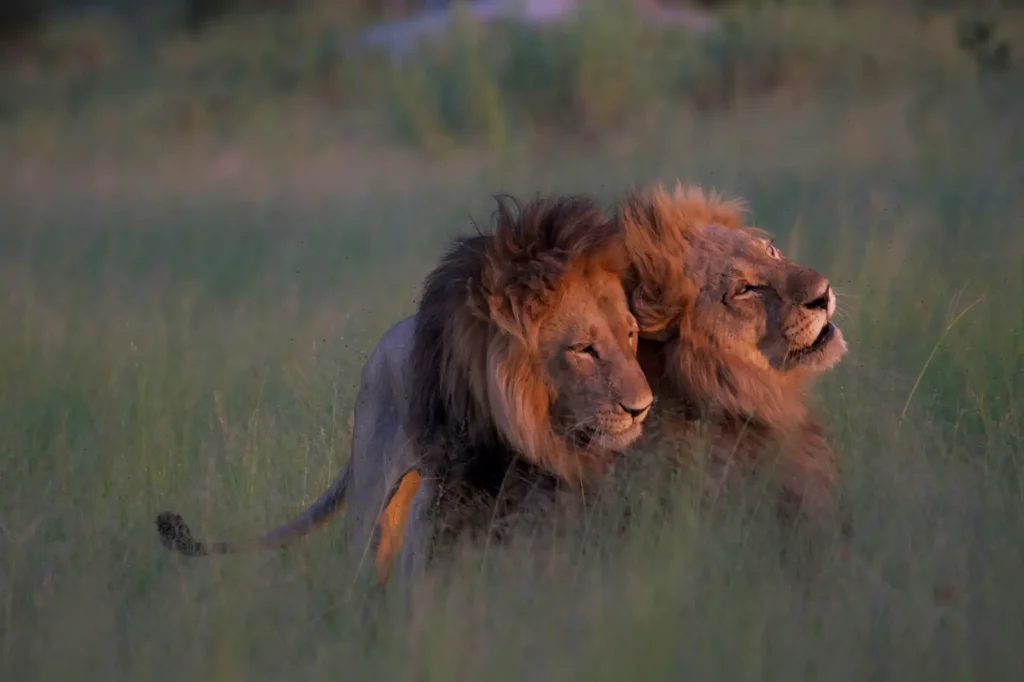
(177, 337)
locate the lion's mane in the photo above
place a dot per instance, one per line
(480, 407)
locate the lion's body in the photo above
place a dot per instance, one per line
(516, 378)
(391, 499)
(734, 333)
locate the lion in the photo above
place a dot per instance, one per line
(517, 373)
(732, 334)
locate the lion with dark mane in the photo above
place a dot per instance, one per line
(524, 353)
(517, 374)
(732, 335)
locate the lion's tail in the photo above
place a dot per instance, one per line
(176, 535)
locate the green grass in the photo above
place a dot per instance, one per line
(176, 336)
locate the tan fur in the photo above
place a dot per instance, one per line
(731, 365)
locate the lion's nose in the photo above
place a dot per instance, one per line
(635, 411)
(820, 300)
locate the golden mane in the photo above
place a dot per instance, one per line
(475, 384)
(655, 222)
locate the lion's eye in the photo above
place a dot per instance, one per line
(743, 290)
(583, 349)
(772, 251)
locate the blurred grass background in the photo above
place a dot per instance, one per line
(206, 229)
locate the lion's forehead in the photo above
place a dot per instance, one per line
(713, 260)
(600, 293)
(749, 238)
(735, 256)
(586, 321)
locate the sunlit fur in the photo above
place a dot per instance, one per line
(732, 334)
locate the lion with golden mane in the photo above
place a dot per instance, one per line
(732, 335)
(517, 374)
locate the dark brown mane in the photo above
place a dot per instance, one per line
(477, 402)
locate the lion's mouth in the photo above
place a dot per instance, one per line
(810, 354)
(824, 336)
(827, 332)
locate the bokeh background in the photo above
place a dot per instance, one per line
(211, 210)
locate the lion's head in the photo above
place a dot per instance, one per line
(744, 328)
(524, 336)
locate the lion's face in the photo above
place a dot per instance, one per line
(759, 307)
(528, 336)
(587, 346)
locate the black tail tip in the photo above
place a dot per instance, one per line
(176, 536)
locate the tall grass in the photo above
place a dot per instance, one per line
(186, 341)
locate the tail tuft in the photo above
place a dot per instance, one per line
(176, 536)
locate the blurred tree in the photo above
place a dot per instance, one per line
(975, 36)
(199, 13)
(19, 18)
(395, 9)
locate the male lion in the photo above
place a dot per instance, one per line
(732, 334)
(517, 372)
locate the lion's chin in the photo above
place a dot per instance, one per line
(823, 354)
(600, 439)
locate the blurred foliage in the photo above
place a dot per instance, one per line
(118, 76)
(976, 37)
(18, 17)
